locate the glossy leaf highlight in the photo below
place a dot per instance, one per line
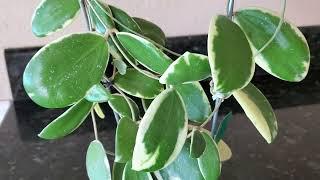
(59, 74)
(52, 15)
(259, 111)
(138, 84)
(230, 56)
(187, 68)
(125, 139)
(67, 122)
(155, 149)
(97, 163)
(288, 55)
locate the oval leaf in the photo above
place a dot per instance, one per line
(125, 20)
(119, 104)
(288, 55)
(198, 144)
(155, 149)
(125, 139)
(224, 151)
(100, 16)
(184, 167)
(223, 127)
(53, 15)
(59, 74)
(97, 162)
(117, 170)
(187, 68)
(196, 101)
(144, 52)
(98, 93)
(138, 84)
(258, 110)
(209, 161)
(99, 111)
(130, 174)
(151, 31)
(230, 56)
(67, 122)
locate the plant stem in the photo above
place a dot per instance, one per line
(94, 123)
(216, 108)
(230, 8)
(215, 116)
(84, 8)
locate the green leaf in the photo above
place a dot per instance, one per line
(138, 84)
(146, 103)
(184, 167)
(119, 104)
(223, 127)
(196, 101)
(125, 19)
(99, 111)
(151, 31)
(53, 15)
(144, 52)
(120, 65)
(258, 110)
(224, 151)
(230, 56)
(103, 21)
(67, 122)
(130, 174)
(187, 68)
(125, 139)
(98, 93)
(117, 170)
(97, 163)
(288, 56)
(162, 132)
(59, 74)
(209, 161)
(198, 144)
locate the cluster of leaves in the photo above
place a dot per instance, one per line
(167, 140)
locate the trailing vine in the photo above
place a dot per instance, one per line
(170, 131)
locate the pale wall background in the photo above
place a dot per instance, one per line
(176, 17)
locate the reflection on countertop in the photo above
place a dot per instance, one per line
(295, 154)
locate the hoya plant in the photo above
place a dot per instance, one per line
(167, 139)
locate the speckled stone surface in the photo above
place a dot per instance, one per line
(295, 155)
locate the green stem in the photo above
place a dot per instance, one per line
(94, 123)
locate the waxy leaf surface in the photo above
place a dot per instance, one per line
(187, 68)
(146, 53)
(162, 132)
(67, 122)
(196, 101)
(62, 72)
(259, 111)
(230, 56)
(125, 139)
(97, 163)
(138, 84)
(53, 15)
(288, 55)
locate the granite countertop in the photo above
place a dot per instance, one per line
(295, 154)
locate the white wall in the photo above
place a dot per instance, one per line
(176, 17)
